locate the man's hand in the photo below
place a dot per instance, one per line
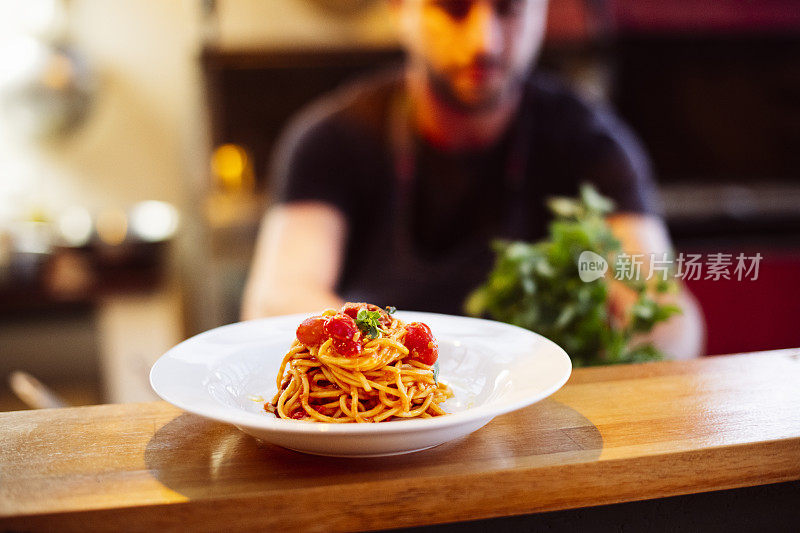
(680, 337)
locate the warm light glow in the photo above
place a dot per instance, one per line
(154, 221)
(112, 226)
(21, 58)
(40, 18)
(231, 166)
(75, 226)
(60, 73)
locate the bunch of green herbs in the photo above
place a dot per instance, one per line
(537, 286)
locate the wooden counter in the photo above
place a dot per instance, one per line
(612, 434)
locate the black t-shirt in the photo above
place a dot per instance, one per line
(426, 245)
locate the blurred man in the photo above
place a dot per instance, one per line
(390, 190)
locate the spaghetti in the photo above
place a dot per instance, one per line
(359, 364)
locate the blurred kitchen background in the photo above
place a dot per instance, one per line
(135, 137)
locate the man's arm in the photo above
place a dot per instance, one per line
(297, 260)
(682, 336)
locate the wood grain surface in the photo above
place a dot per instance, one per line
(612, 434)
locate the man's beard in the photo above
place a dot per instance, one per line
(444, 91)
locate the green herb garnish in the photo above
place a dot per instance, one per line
(436, 372)
(391, 309)
(368, 322)
(537, 286)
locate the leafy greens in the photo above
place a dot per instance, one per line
(369, 323)
(537, 286)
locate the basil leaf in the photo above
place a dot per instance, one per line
(368, 322)
(436, 372)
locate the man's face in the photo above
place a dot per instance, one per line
(473, 52)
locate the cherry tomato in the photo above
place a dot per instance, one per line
(420, 342)
(311, 331)
(351, 309)
(345, 334)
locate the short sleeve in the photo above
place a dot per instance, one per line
(313, 162)
(600, 149)
(617, 164)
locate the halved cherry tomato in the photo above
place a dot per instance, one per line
(311, 331)
(420, 342)
(341, 328)
(345, 334)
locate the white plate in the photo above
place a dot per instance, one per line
(493, 368)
